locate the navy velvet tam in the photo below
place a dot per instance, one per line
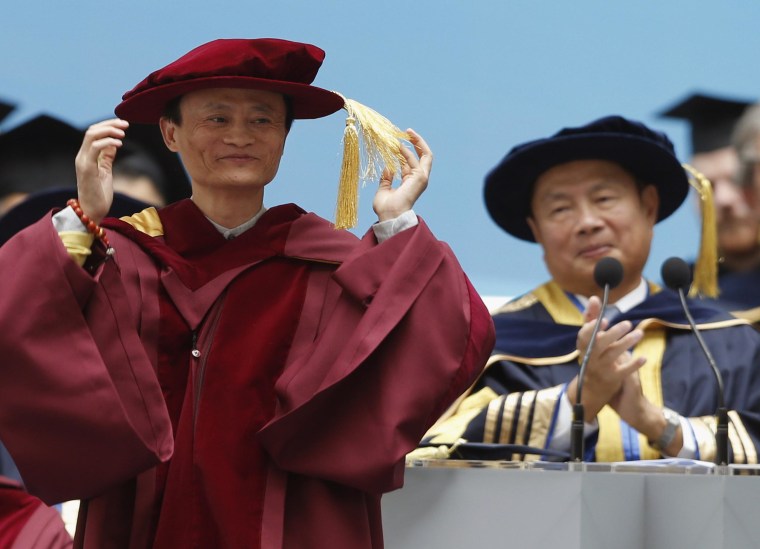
(646, 154)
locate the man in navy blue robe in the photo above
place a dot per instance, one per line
(584, 194)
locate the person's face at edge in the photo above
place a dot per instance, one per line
(737, 224)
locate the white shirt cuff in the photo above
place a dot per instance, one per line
(689, 448)
(386, 229)
(563, 426)
(67, 220)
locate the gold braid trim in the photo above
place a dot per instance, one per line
(547, 401)
(610, 444)
(504, 410)
(750, 315)
(742, 447)
(742, 436)
(704, 432)
(735, 440)
(523, 427)
(451, 429)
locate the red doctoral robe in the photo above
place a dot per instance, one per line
(255, 392)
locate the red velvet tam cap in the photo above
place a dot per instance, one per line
(268, 64)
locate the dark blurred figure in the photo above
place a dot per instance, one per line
(713, 120)
(35, 156)
(37, 162)
(38, 155)
(743, 286)
(25, 522)
(7, 467)
(5, 110)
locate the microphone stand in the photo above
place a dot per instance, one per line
(721, 414)
(576, 427)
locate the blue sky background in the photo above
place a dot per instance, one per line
(474, 78)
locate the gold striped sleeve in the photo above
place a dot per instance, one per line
(493, 417)
(509, 415)
(742, 447)
(704, 431)
(545, 404)
(452, 428)
(525, 419)
(735, 443)
(522, 418)
(738, 432)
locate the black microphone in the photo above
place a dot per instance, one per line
(608, 273)
(677, 276)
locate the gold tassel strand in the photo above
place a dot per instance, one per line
(705, 281)
(380, 140)
(347, 207)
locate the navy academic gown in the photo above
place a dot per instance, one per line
(515, 399)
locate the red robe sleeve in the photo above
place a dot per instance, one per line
(406, 335)
(27, 523)
(80, 407)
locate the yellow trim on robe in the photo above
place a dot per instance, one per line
(742, 435)
(543, 413)
(610, 444)
(146, 221)
(517, 304)
(558, 305)
(542, 361)
(735, 442)
(522, 420)
(508, 417)
(704, 432)
(503, 409)
(451, 430)
(452, 425)
(78, 245)
(750, 315)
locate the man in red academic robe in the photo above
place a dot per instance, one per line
(216, 373)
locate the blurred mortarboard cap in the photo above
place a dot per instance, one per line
(5, 110)
(36, 205)
(144, 153)
(712, 119)
(38, 154)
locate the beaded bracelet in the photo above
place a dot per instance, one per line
(92, 227)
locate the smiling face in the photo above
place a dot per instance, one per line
(588, 209)
(228, 138)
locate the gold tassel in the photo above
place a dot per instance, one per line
(347, 208)
(705, 281)
(380, 140)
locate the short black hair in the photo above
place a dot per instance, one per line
(173, 114)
